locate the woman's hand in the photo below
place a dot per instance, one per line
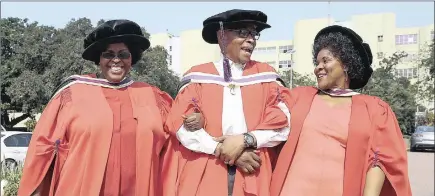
(193, 122)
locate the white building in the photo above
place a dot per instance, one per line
(172, 44)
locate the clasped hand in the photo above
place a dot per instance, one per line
(231, 149)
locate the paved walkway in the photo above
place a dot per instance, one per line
(421, 173)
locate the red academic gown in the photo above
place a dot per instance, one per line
(70, 145)
(202, 174)
(374, 138)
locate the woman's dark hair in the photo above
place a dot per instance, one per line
(136, 52)
(343, 49)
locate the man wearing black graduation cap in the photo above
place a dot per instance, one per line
(240, 102)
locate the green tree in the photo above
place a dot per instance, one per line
(398, 92)
(297, 79)
(67, 59)
(30, 124)
(153, 69)
(430, 118)
(426, 68)
(26, 51)
(421, 120)
(101, 21)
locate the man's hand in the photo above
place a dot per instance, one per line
(249, 161)
(231, 148)
(218, 149)
(193, 122)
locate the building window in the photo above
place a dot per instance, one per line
(407, 73)
(271, 63)
(271, 49)
(380, 55)
(170, 48)
(285, 49)
(399, 72)
(410, 73)
(432, 34)
(170, 59)
(259, 49)
(410, 58)
(380, 38)
(406, 39)
(285, 64)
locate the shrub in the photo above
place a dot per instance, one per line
(12, 176)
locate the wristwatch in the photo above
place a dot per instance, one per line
(249, 140)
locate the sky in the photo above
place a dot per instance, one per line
(158, 17)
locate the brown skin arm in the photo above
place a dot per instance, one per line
(374, 181)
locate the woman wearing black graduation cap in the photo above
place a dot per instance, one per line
(342, 143)
(103, 134)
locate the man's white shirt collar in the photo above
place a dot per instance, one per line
(238, 65)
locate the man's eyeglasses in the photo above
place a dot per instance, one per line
(244, 33)
(120, 55)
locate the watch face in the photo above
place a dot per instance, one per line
(249, 140)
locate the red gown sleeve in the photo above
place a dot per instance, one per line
(168, 154)
(186, 102)
(164, 102)
(47, 150)
(388, 151)
(273, 117)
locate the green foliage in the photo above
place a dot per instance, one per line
(426, 73)
(12, 177)
(297, 79)
(30, 124)
(153, 70)
(430, 119)
(399, 93)
(26, 52)
(35, 58)
(421, 120)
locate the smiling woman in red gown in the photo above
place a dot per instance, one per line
(341, 143)
(103, 134)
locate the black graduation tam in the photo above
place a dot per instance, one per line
(113, 31)
(235, 18)
(362, 48)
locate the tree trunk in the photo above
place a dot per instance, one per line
(11, 123)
